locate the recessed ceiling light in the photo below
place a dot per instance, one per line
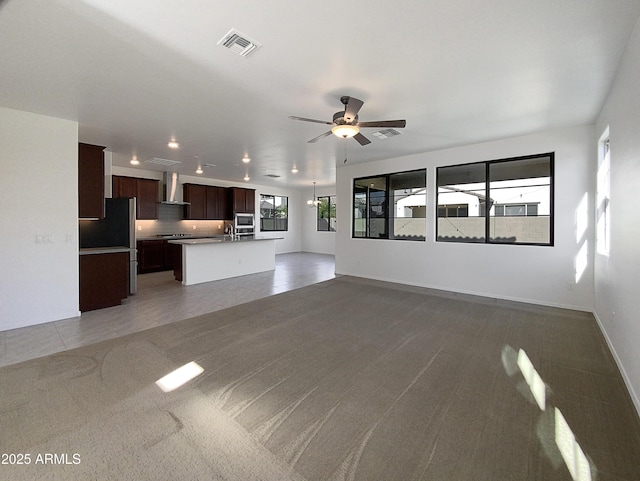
(246, 159)
(246, 177)
(199, 170)
(173, 144)
(294, 170)
(134, 160)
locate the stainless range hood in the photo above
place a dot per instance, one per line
(172, 190)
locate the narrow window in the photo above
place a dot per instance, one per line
(603, 192)
(327, 213)
(518, 184)
(462, 202)
(274, 214)
(408, 197)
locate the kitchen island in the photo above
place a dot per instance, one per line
(214, 258)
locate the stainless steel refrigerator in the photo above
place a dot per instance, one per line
(117, 229)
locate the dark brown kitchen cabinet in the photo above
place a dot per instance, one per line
(151, 255)
(206, 202)
(242, 200)
(90, 181)
(104, 280)
(144, 190)
(174, 254)
(156, 255)
(219, 206)
(147, 199)
(196, 196)
(124, 186)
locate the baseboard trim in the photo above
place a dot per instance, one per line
(475, 293)
(627, 381)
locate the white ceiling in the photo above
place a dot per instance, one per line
(134, 73)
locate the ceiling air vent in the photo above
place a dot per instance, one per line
(386, 133)
(165, 162)
(273, 176)
(239, 43)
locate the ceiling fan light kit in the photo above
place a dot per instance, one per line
(345, 131)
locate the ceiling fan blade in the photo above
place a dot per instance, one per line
(311, 120)
(352, 108)
(399, 124)
(321, 136)
(362, 140)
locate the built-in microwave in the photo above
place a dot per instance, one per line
(244, 223)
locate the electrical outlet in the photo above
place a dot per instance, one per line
(44, 239)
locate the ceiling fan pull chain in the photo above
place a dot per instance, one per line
(345, 151)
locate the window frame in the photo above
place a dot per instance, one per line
(487, 189)
(286, 217)
(388, 193)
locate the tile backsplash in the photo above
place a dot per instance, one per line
(170, 222)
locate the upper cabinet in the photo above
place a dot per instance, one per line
(148, 198)
(90, 181)
(144, 190)
(206, 202)
(219, 206)
(242, 200)
(196, 196)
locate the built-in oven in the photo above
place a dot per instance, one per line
(244, 224)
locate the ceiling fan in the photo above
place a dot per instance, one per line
(346, 125)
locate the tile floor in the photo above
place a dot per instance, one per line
(161, 300)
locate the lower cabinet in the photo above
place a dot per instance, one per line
(174, 251)
(154, 255)
(104, 280)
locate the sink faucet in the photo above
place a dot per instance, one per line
(231, 229)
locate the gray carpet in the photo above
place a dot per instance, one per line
(341, 381)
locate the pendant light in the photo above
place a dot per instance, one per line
(315, 201)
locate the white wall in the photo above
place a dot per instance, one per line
(39, 198)
(543, 275)
(312, 240)
(290, 241)
(617, 284)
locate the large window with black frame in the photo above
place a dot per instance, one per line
(390, 206)
(326, 213)
(506, 201)
(274, 213)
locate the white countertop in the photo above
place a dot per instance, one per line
(220, 240)
(104, 250)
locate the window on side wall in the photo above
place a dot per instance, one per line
(326, 209)
(390, 206)
(603, 191)
(507, 201)
(274, 213)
